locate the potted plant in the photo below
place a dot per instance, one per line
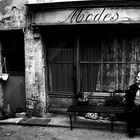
(4, 76)
(116, 100)
(83, 98)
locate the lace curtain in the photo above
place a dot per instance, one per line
(111, 61)
(107, 61)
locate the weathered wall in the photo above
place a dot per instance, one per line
(14, 92)
(34, 75)
(48, 1)
(1, 91)
(12, 14)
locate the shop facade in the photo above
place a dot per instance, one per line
(73, 46)
(89, 46)
(12, 62)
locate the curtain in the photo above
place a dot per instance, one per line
(110, 61)
(60, 63)
(90, 57)
(107, 62)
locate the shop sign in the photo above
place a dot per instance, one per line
(47, 1)
(87, 16)
(35, 1)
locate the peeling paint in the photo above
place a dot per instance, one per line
(18, 3)
(3, 5)
(34, 79)
(12, 14)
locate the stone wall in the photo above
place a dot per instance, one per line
(1, 91)
(34, 75)
(12, 14)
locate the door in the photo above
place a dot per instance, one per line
(12, 50)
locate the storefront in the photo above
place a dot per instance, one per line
(12, 56)
(86, 46)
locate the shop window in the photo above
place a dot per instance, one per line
(109, 61)
(89, 61)
(60, 60)
(12, 43)
(98, 62)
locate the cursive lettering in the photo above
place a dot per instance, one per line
(115, 17)
(89, 18)
(98, 16)
(83, 16)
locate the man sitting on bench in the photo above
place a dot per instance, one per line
(133, 106)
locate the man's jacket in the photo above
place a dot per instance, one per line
(130, 96)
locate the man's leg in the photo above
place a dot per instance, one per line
(131, 124)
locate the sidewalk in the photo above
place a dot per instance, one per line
(63, 120)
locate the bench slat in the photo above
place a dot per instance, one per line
(73, 109)
(97, 109)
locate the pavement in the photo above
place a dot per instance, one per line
(84, 129)
(63, 120)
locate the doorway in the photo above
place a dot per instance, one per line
(12, 50)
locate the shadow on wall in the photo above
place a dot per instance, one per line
(14, 93)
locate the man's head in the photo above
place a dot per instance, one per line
(138, 78)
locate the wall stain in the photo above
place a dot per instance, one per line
(12, 14)
(3, 5)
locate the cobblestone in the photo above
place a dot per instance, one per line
(15, 132)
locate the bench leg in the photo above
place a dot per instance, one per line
(111, 124)
(74, 116)
(71, 121)
(112, 120)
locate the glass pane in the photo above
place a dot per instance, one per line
(13, 50)
(90, 77)
(130, 74)
(59, 46)
(120, 50)
(112, 50)
(119, 77)
(60, 54)
(113, 77)
(61, 77)
(108, 77)
(61, 50)
(137, 45)
(90, 49)
(130, 50)
(138, 67)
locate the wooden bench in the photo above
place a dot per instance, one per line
(74, 109)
